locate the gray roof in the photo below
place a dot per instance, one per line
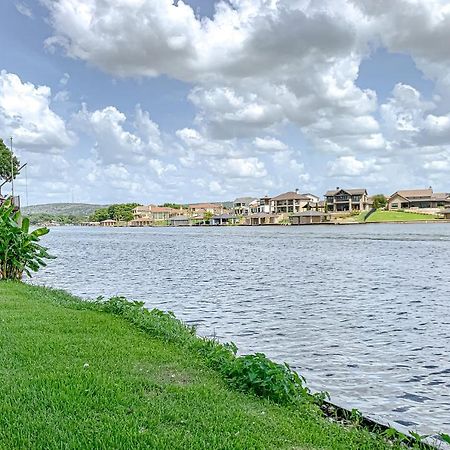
(349, 191)
(224, 216)
(290, 195)
(179, 218)
(245, 200)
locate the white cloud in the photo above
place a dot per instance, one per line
(24, 9)
(26, 114)
(115, 144)
(239, 168)
(349, 166)
(269, 144)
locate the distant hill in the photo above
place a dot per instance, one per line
(62, 209)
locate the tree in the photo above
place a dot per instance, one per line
(207, 216)
(379, 201)
(5, 162)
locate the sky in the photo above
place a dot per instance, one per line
(159, 101)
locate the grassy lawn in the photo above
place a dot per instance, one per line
(75, 378)
(393, 216)
(400, 216)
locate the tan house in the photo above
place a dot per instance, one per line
(198, 209)
(142, 215)
(289, 202)
(340, 200)
(141, 222)
(263, 219)
(309, 218)
(446, 214)
(418, 198)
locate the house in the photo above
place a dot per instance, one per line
(262, 219)
(418, 198)
(141, 222)
(308, 218)
(241, 206)
(289, 202)
(340, 200)
(446, 214)
(260, 205)
(108, 223)
(224, 219)
(154, 213)
(199, 209)
(179, 221)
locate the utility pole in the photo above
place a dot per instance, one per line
(12, 168)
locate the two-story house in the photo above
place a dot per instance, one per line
(241, 206)
(340, 200)
(289, 202)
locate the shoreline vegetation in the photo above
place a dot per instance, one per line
(112, 374)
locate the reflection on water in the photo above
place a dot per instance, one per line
(361, 311)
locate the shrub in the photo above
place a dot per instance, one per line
(19, 248)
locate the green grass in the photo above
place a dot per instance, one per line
(395, 216)
(74, 377)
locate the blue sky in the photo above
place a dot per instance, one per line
(152, 101)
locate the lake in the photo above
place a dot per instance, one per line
(362, 311)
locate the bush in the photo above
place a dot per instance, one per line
(19, 248)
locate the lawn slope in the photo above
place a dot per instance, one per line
(76, 378)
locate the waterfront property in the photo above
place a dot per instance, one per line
(418, 199)
(263, 219)
(342, 200)
(199, 209)
(180, 221)
(108, 223)
(224, 219)
(289, 202)
(446, 214)
(148, 215)
(309, 218)
(260, 205)
(241, 206)
(145, 221)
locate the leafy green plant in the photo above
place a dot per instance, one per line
(19, 248)
(445, 437)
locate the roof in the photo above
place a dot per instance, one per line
(414, 193)
(245, 200)
(261, 215)
(179, 218)
(440, 196)
(204, 205)
(309, 214)
(290, 195)
(156, 209)
(349, 191)
(224, 216)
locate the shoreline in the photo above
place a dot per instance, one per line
(166, 328)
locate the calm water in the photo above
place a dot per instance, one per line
(361, 311)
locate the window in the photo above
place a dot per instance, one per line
(394, 205)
